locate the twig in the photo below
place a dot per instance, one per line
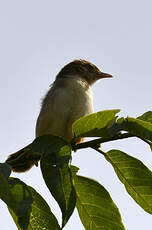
(98, 141)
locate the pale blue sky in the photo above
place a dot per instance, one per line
(37, 39)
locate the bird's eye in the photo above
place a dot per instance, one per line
(90, 68)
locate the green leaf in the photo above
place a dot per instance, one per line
(136, 177)
(95, 206)
(146, 117)
(33, 212)
(139, 128)
(74, 169)
(50, 146)
(23, 198)
(57, 174)
(5, 193)
(95, 125)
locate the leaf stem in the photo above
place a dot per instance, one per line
(100, 151)
(145, 140)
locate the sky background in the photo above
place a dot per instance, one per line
(37, 39)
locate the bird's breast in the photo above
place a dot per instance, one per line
(64, 103)
(81, 98)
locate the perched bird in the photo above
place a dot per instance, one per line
(69, 98)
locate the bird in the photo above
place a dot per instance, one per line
(68, 99)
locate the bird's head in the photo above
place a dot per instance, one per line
(84, 69)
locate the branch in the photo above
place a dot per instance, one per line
(97, 142)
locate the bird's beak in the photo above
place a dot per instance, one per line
(104, 75)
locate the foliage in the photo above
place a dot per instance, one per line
(95, 205)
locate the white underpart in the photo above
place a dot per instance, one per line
(66, 101)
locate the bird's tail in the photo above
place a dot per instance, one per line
(23, 160)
